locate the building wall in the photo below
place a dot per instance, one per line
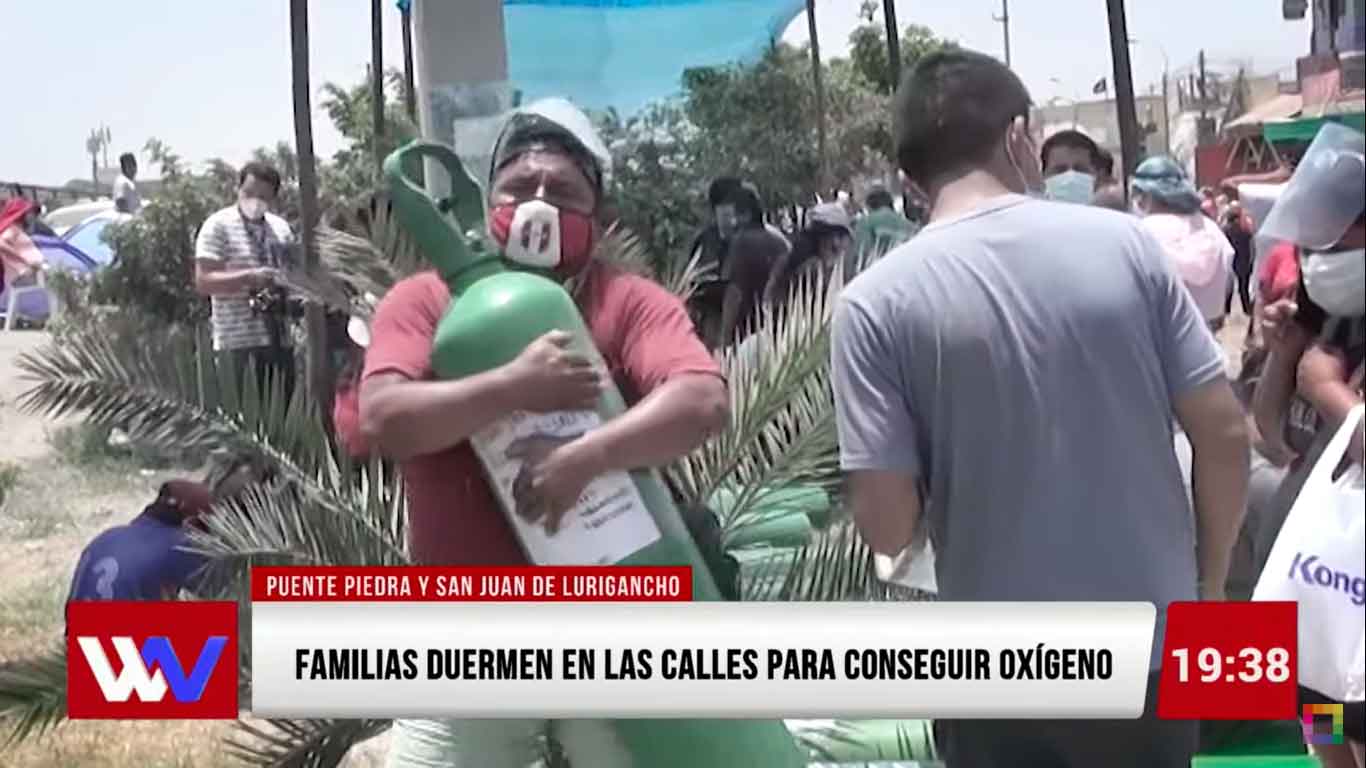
(1351, 28)
(1100, 121)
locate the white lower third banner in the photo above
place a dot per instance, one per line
(696, 659)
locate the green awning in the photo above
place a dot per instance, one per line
(1305, 129)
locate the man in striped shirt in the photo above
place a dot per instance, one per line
(240, 250)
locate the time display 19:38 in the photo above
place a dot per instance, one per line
(1249, 665)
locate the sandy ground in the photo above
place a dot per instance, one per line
(46, 518)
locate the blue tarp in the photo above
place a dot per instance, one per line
(57, 254)
(627, 53)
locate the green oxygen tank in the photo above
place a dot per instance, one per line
(622, 518)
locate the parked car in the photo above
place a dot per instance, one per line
(68, 216)
(88, 236)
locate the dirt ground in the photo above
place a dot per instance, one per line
(54, 507)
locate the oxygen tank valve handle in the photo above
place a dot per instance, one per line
(429, 220)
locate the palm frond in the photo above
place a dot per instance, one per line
(33, 695)
(173, 393)
(339, 520)
(371, 260)
(847, 741)
(620, 246)
(299, 743)
(836, 565)
(782, 411)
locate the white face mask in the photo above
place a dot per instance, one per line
(1071, 187)
(1336, 281)
(254, 208)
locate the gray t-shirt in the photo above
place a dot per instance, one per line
(1022, 360)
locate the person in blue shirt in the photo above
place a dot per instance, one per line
(146, 558)
(149, 558)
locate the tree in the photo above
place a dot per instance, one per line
(351, 174)
(172, 166)
(656, 190)
(756, 121)
(93, 143)
(868, 47)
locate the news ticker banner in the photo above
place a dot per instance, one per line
(627, 643)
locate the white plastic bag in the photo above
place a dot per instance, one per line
(1318, 560)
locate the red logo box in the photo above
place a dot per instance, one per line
(151, 660)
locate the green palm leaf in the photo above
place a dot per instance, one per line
(368, 261)
(299, 743)
(171, 392)
(782, 411)
(33, 694)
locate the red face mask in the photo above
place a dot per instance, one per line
(536, 234)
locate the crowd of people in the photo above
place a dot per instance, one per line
(1032, 377)
(1017, 345)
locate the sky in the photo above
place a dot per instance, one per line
(212, 79)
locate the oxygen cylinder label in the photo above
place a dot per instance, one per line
(608, 523)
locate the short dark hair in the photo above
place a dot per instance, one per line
(262, 171)
(126, 158)
(1105, 162)
(1229, 189)
(721, 190)
(1073, 139)
(951, 111)
(878, 198)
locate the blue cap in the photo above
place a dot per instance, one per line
(1163, 180)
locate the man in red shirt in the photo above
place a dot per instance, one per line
(674, 386)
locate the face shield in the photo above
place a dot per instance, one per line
(1325, 195)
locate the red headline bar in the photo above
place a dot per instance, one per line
(306, 584)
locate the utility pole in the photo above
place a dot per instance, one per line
(409, 88)
(820, 89)
(894, 67)
(893, 42)
(1166, 115)
(1004, 19)
(1124, 91)
(1202, 84)
(319, 373)
(377, 85)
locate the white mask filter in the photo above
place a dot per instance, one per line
(534, 237)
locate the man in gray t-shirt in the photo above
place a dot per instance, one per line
(1015, 369)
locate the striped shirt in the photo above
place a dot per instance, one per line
(232, 242)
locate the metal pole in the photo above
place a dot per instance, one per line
(1124, 91)
(1166, 113)
(1004, 19)
(894, 66)
(820, 89)
(377, 84)
(409, 88)
(318, 375)
(893, 42)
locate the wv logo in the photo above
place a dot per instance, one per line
(151, 670)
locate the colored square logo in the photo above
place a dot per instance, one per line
(1322, 723)
(151, 660)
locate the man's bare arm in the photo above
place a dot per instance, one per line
(671, 421)
(886, 508)
(213, 278)
(1213, 421)
(405, 418)
(1285, 342)
(730, 316)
